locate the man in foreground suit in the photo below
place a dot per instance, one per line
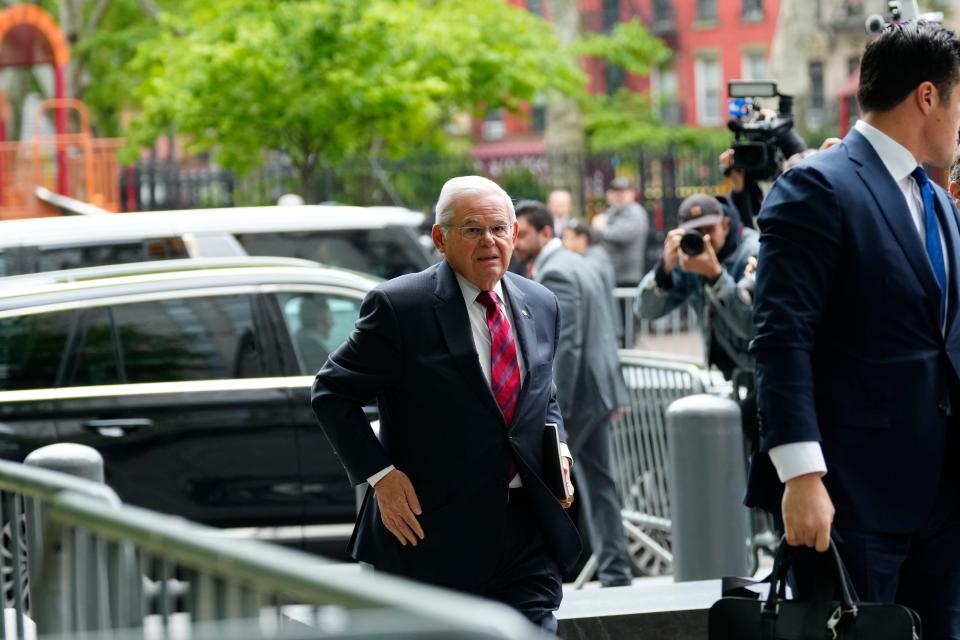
(858, 338)
(460, 360)
(590, 386)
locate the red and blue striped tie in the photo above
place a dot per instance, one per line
(504, 366)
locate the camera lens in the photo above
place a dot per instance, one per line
(691, 243)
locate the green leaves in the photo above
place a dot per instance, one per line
(325, 79)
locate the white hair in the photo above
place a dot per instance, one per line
(461, 186)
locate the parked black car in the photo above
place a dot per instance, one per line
(192, 378)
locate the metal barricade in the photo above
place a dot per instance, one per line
(639, 452)
(79, 564)
(633, 330)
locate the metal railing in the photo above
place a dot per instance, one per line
(634, 330)
(638, 445)
(79, 564)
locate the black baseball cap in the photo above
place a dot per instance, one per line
(699, 210)
(619, 184)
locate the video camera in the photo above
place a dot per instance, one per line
(761, 143)
(898, 12)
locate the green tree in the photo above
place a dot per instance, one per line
(321, 81)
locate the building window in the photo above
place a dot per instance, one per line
(708, 80)
(752, 10)
(662, 11)
(854, 8)
(611, 14)
(663, 80)
(535, 7)
(816, 104)
(538, 114)
(494, 127)
(753, 66)
(614, 76)
(706, 9)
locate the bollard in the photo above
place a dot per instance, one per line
(51, 595)
(66, 457)
(706, 477)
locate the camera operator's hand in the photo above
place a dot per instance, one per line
(735, 175)
(704, 264)
(671, 250)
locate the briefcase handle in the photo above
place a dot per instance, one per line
(782, 562)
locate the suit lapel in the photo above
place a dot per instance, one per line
(951, 230)
(892, 206)
(455, 326)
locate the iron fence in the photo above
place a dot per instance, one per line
(76, 563)
(663, 180)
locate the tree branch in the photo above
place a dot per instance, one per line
(149, 8)
(95, 18)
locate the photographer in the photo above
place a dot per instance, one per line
(703, 259)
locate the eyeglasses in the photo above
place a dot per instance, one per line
(475, 233)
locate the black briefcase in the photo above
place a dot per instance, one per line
(776, 618)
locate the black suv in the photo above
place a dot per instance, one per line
(191, 377)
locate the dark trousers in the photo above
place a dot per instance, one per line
(527, 577)
(920, 569)
(600, 502)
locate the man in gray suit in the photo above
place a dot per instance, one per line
(578, 237)
(623, 229)
(590, 388)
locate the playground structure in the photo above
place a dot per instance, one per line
(74, 164)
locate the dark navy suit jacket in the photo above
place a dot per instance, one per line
(849, 347)
(413, 350)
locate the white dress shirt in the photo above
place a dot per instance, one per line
(799, 458)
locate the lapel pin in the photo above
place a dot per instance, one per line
(524, 313)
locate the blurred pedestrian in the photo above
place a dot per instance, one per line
(622, 229)
(858, 339)
(954, 185)
(578, 237)
(459, 358)
(560, 204)
(590, 386)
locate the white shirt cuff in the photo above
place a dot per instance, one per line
(797, 459)
(565, 451)
(378, 476)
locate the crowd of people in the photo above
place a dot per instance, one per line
(834, 303)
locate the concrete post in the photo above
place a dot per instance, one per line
(66, 457)
(52, 569)
(707, 480)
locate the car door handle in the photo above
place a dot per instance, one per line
(118, 427)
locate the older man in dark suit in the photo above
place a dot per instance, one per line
(590, 387)
(858, 337)
(460, 360)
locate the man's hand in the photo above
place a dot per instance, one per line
(399, 507)
(705, 263)
(565, 463)
(671, 250)
(599, 221)
(807, 512)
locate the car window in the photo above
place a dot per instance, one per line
(54, 258)
(189, 339)
(4, 268)
(31, 348)
(318, 324)
(385, 253)
(94, 359)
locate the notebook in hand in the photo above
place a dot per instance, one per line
(552, 467)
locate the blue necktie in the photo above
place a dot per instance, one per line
(932, 237)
